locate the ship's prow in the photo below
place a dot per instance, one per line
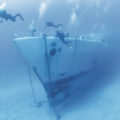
(56, 63)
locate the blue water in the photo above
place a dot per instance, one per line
(98, 95)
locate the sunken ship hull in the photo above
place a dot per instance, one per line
(58, 66)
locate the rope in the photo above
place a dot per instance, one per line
(31, 83)
(58, 116)
(73, 57)
(48, 66)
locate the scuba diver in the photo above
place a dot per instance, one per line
(6, 16)
(51, 24)
(61, 36)
(32, 28)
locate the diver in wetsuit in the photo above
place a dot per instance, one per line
(6, 16)
(61, 36)
(51, 24)
(32, 28)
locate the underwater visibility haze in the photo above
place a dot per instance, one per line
(59, 60)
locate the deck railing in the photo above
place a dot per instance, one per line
(75, 36)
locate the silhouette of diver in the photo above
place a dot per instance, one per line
(32, 28)
(61, 36)
(51, 24)
(6, 16)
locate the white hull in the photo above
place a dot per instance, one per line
(54, 61)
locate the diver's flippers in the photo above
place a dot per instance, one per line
(20, 16)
